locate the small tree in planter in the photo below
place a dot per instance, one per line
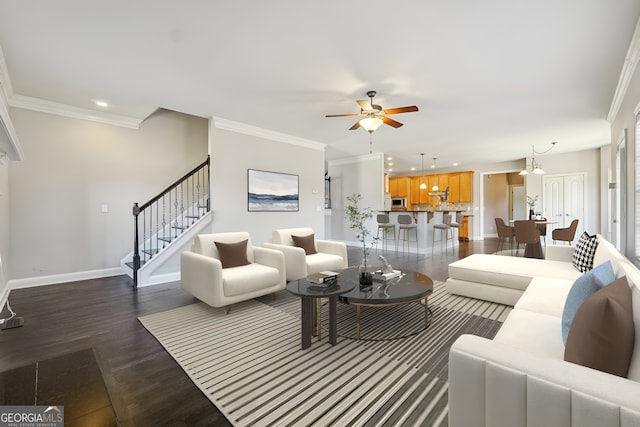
(358, 218)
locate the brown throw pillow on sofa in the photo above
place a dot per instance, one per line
(602, 332)
(233, 254)
(307, 243)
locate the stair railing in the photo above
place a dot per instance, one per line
(168, 214)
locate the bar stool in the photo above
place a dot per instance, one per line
(406, 224)
(386, 226)
(456, 225)
(444, 227)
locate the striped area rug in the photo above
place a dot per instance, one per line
(250, 365)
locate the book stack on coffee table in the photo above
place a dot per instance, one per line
(323, 280)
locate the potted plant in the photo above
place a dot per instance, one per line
(531, 201)
(358, 218)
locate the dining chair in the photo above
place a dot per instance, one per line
(504, 232)
(542, 228)
(565, 234)
(526, 232)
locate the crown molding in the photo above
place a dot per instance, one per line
(628, 70)
(356, 159)
(230, 125)
(5, 81)
(43, 106)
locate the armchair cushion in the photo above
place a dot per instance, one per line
(329, 255)
(233, 254)
(305, 242)
(602, 333)
(247, 279)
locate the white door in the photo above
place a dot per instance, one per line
(518, 202)
(563, 200)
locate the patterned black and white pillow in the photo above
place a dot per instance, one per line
(584, 252)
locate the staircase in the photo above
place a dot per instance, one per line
(167, 222)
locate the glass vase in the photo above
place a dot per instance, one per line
(365, 275)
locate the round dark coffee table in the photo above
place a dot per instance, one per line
(311, 311)
(411, 287)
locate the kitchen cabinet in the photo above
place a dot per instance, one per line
(443, 181)
(460, 187)
(399, 186)
(463, 232)
(454, 188)
(466, 187)
(418, 195)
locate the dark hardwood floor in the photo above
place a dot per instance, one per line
(144, 384)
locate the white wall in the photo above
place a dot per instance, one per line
(496, 202)
(362, 175)
(5, 226)
(71, 167)
(234, 149)
(626, 119)
(586, 161)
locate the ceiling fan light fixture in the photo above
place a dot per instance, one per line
(371, 124)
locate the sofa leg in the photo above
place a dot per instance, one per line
(227, 309)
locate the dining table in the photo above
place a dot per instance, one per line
(534, 250)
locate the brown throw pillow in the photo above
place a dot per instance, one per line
(602, 332)
(233, 254)
(307, 243)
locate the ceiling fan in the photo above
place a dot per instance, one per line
(374, 115)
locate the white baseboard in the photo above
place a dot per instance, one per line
(159, 279)
(63, 278)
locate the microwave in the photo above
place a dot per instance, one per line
(398, 202)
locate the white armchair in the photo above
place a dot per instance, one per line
(203, 277)
(330, 255)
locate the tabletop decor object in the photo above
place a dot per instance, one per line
(358, 218)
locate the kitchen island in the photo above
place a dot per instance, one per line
(426, 219)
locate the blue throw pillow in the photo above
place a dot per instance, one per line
(585, 286)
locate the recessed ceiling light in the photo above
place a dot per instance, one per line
(389, 158)
(455, 163)
(413, 169)
(100, 103)
(390, 170)
(390, 163)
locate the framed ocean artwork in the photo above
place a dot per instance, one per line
(272, 191)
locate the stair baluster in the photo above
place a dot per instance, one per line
(185, 213)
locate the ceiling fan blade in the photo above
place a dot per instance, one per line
(342, 115)
(355, 126)
(365, 105)
(401, 110)
(391, 122)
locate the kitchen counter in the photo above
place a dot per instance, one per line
(425, 230)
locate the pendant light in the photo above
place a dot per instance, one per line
(433, 166)
(536, 168)
(423, 185)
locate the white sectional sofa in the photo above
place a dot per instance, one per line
(520, 378)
